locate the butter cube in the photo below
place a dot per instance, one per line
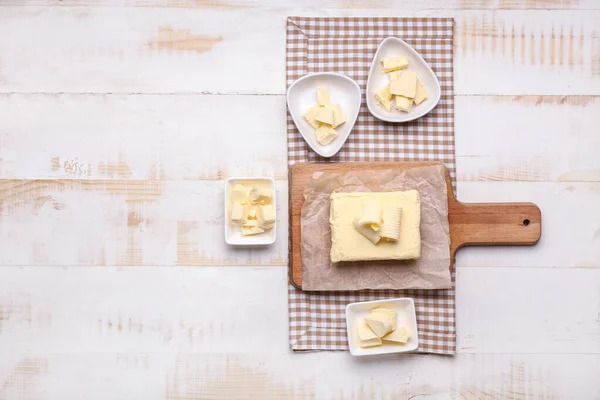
(265, 215)
(260, 195)
(405, 85)
(394, 64)
(384, 98)
(326, 134)
(421, 94)
(404, 103)
(250, 214)
(325, 115)
(237, 213)
(400, 335)
(239, 194)
(395, 75)
(311, 114)
(366, 336)
(322, 96)
(338, 116)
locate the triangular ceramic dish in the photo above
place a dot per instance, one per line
(394, 47)
(302, 95)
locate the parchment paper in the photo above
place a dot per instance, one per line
(430, 271)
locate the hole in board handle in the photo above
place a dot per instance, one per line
(525, 222)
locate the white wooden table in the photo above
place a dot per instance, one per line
(119, 119)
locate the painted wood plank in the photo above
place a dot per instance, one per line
(142, 137)
(198, 50)
(332, 4)
(175, 137)
(125, 222)
(242, 310)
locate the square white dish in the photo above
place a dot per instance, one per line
(302, 95)
(407, 317)
(233, 232)
(377, 80)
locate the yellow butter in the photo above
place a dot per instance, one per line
(265, 215)
(339, 117)
(371, 215)
(311, 114)
(391, 218)
(366, 337)
(381, 323)
(325, 115)
(237, 213)
(400, 335)
(251, 229)
(395, 75)
(420, 94)
(403, 103)
(260, 195)
(367, 232)
(239, 194)
(393, 64)
(384, 98)
(405, 85)
(322, 96)
(326, 134)
(347, 244)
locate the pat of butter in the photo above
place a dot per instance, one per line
(338, 116)
(322, 96)
(366, 336)
(395, 75)
(325, 134)
(250, 214)
(420, 94)
(405, 85)
(260, 195)
(311, 114)
(347, 244)
(325, 115)
(265, 216)
(404, 103)
(381, 323)
(239, 194)
(384, 98)
(394, 64)
(400, 335)
(237, 213)
(251, 228)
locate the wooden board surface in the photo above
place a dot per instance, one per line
(474, 224)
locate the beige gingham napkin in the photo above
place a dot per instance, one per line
(347, 45)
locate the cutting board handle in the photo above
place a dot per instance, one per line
(484, 224)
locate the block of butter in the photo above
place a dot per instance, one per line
(403, 103)
(322, 96)
(399, 335)
(325, 115)
(347, 244)
(325, 134)
(239, 194)
(311, 114)
(405, 85)
(265, 216)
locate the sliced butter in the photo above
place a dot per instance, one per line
(251, 230)
(239, 194)
(325, 115)
(384, 98)
(391, 219)
(260, 195)
(405, 85)
(420, 94)
(404, 103)
(400, 335)
(338, 116)
(381, 323)
(237, 213)
(366, 336)
(322, 96)
(371, 215)
(311, 114)
(325, 134)
(393, 64)
(265, 216)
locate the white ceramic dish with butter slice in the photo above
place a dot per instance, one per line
(394, 47)
(407, 317)
(233, 232)
(302, 95)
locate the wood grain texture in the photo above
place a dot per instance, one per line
(478, 224)
(492, 49)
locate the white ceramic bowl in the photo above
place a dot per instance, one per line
(394, 47)
(407, 317)
(233, 232)
(302, 95)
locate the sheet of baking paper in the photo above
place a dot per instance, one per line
(430, 271)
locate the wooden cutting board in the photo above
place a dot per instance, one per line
(471, 224)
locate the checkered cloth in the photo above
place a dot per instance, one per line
(347, 45)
